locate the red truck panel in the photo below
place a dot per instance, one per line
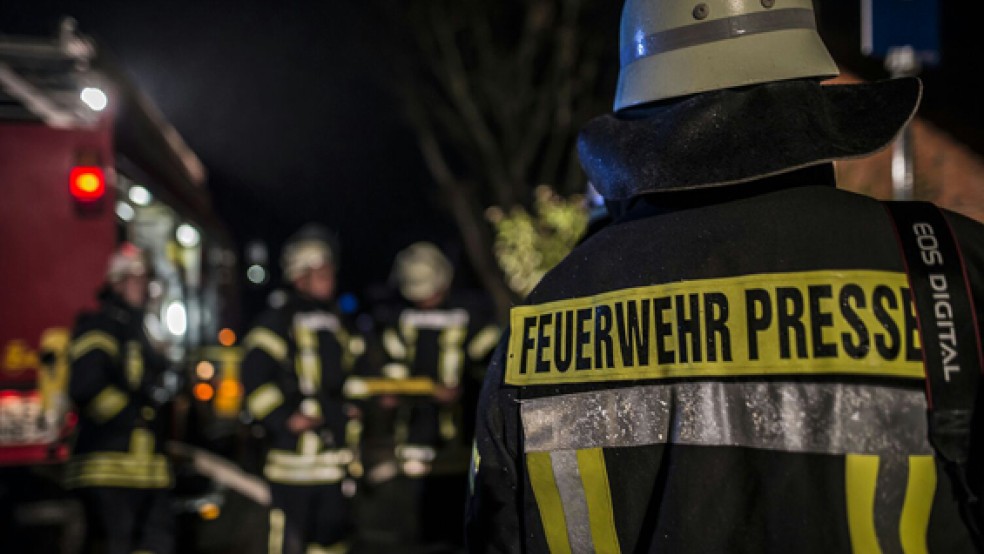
(52, 258)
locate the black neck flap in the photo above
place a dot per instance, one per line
(739, 135)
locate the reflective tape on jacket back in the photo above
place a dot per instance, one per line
(817, 322)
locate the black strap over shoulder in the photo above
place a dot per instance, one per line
(951, 345)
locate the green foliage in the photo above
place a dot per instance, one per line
(527, 245)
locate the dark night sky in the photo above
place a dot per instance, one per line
(281, 105)
(279, 101)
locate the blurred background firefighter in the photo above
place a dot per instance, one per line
(417, 420)
(118, 382)
(296, 360)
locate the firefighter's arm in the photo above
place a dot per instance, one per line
(266, 399)
(93, 354)
(495, 499)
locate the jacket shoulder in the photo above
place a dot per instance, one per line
(274, 319)
(98, 320)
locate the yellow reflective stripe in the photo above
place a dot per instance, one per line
(107, 404)
(452, 357)
(283, 466)
(264, 400)
(275, 543)
(548, 501)
(93, 340)
(267, 341)
(919, 493)
(353, 432)
(860, 479)
(393, 345)
(359, 387)
(134, 364)
(408, 337)
(348, 354)
(594, 476)
(335, 457)
(117, 469)
(476, 461)
(303, 475)
(142, 442)
(807, 323)
(448, 425)
(484, 341)
(305, 337)
(311, 408)
(308, 443)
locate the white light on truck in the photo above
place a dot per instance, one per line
(95, 98)
(176, 318)
(187, 235)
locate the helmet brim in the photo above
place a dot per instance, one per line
(737, 135)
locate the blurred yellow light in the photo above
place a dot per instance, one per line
(209, 511)
(88, 182)
(203, 392)
(229, 387)
(227, 337)
(205, 370)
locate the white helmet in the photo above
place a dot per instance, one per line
(309, 248)
(422, 271)
(128, 260)
(674, 48)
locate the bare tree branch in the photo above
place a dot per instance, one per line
(495, 92)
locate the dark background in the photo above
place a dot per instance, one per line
(284, 103)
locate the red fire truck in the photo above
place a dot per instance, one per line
(87, 161)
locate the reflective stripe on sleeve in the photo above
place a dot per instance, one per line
(93, 340)
(484, 341)
(266, 340)
(107, 404)
(264, 400)
(393, 345)
(133, 364)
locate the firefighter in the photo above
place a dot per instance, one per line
(734, 364)
(433, 346)
(117, 384)
(296, 360)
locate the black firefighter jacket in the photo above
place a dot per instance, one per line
(297, 358)
(728, 370)
(113, 371)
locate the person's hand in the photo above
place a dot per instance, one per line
(353, 412)
(298, 423)
(446, 395)
(388, 401)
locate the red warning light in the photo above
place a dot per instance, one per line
(87, 183)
